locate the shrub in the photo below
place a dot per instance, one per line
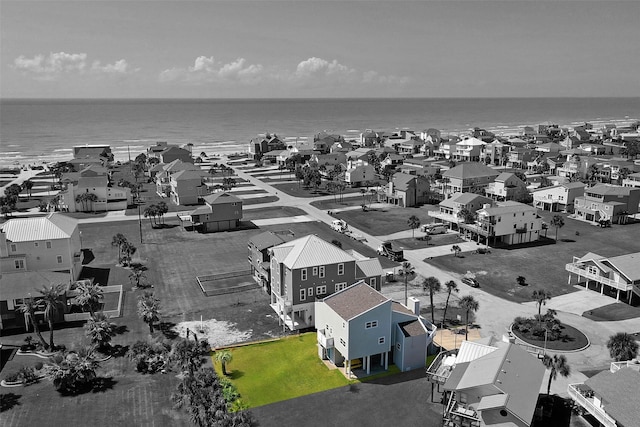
(150, 356)
(38, 366)
(13, 378)
(72, 371)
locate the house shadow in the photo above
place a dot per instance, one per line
(98, 275)
(87, 256)
(552, 411)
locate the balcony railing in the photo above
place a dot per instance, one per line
(572, 268)
(587, 404)
(521, 230)
(631, 364)
(323, 340)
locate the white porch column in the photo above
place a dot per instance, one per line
(386, 360)
(368, 364)
(569, 279)
(348, 372)
(601, 288)
(381, 359)
(618, 295)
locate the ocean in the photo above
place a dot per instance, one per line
(39, 130)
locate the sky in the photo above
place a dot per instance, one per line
(328, 49)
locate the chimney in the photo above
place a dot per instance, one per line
(414, 305)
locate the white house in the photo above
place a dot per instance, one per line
(558, 197)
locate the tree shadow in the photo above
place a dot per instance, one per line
(552, 411)
(8, 401)
(121, 329)
(102, 384)
(167, 330)
(118, 350)
(353, 388)
(235, 374)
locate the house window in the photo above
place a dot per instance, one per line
(321, 271)
(592, 269)
(381, 340)
(398, 347)
(303, 273)
(14, 248)
(321, 290)
(310, 292)
(340, 286)
(19, 264)
(373, 282)
(303, 294)
(48, 244)
(340, 269)
(344, 344)
(35, 244)
(315, 271)
(372, 324)
(59, 258)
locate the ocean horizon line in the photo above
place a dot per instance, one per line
(373, 98)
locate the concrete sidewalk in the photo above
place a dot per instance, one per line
(283, 220)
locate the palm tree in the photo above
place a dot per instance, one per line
(150, 212)
(224, 357)
(406, 270)
(456, 250)
(29, 308)
(88, 297)
(432, 284)
(148, 309)
(468, 303)
(99, 330)
(119, 240)
(622, 347)
(414, 222)
(92, 198)
(128, 249)
(162, 209)
(541, 297)
(51, 303)
(28, 185)
(556, 365)
(138, 277)
(451, 287)
(558, 222)
(188, 355)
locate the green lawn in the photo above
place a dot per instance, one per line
(280, 370)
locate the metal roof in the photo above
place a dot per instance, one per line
(268, 239)
(507, 207)
(368, 268)
(51, 227)
(310, 251)
(221, 198)
(628, 265)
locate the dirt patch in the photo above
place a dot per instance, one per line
(218, 332)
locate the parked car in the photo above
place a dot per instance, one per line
(471, 282)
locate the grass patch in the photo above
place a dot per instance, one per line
(271, 212)
(391, 219)
(437, 240)
(612, 312)
(279, 370)
(572, 339)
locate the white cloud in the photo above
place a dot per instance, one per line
(206, 70)
(313, 72)
(321, 68)
(56, 64)
(118, 67)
